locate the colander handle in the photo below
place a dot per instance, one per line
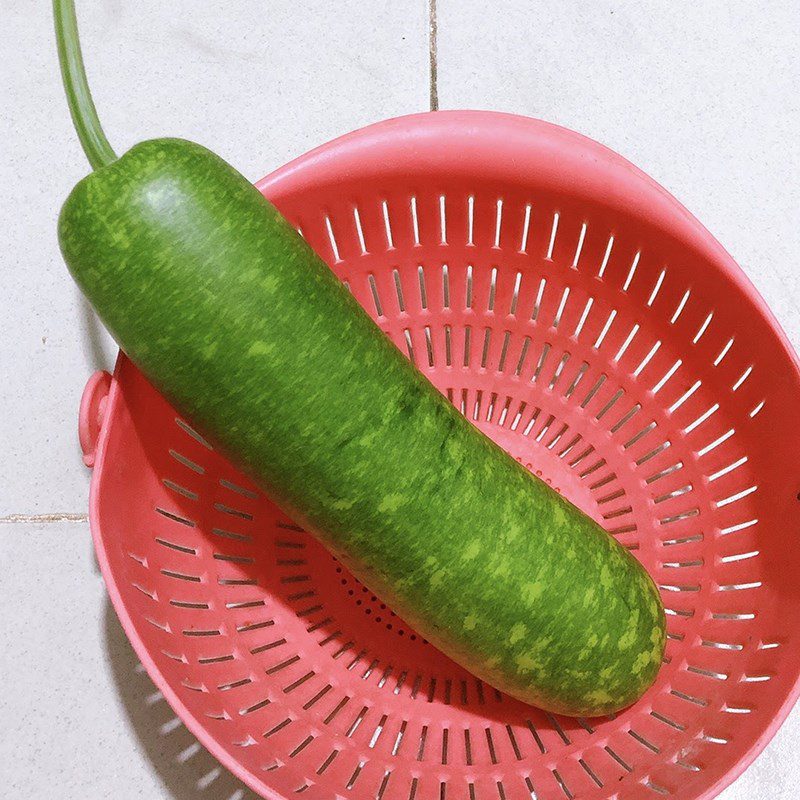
(91, 414)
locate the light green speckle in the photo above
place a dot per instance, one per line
(208, 351)
(640, 662)
(655, 636)
(532, 591)
(269, 282)
(369, 439)
(605, 577)
(598, 697)
(517, 632)
(472, 550)
(559, 516)
(259, 348)
(629, 637)
(453, 449)
(512, 532)
(390, 503)
(502, 570)
(470, 622)
(526, 662)
(437, 578)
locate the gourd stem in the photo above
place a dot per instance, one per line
(81, 105)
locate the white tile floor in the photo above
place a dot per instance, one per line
(702, 96)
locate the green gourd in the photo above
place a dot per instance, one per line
(230, 314)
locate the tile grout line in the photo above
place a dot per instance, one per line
(433, 41)
(43, 518)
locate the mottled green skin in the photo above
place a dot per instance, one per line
(232, 316)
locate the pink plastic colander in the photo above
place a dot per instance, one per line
(588, 323)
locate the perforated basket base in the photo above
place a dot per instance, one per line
(586, 322)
